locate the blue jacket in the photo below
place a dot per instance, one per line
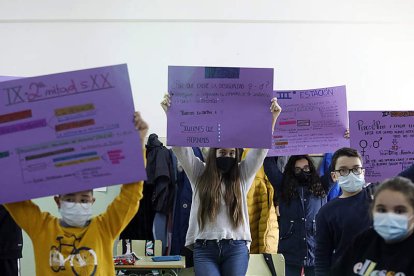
(297, 225)
(297, 228)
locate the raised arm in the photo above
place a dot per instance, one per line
(126, 204)
(275, 109)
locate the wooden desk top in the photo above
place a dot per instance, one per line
(146, 262)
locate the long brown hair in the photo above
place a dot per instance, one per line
(210, 194)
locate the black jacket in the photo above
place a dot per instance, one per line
(11, 240)
(161, 174)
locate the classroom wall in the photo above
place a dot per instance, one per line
(364, 44)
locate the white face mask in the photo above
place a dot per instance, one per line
(391, 226)
(75, 214)
(351, 183)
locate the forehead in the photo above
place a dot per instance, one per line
(301, 163)
(391, 199)
(226, 149)
(78, 194)
(348, 162)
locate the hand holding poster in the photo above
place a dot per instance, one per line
(312, 121)
(67, 132)
(384, 139)
(220, 107)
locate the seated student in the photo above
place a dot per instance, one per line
(341, 219)
(387, 248)
(77, 244)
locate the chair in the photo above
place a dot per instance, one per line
(258, 267)
(139, 247)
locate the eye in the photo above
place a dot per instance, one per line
(306, 169)
(400, 210)
(344, 172)
(380, 209)
(232, 154)
(69, 200)
(84, 201)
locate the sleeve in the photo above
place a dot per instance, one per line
(324, 245)
(273, 173)
(251, 164)
(28, 216)
(122, 209)
(191, 164)
(344, 263)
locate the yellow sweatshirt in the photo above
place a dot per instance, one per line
(77, 251)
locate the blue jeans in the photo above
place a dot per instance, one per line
(220, 257)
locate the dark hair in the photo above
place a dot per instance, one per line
(290, 182)
(349, 152)
(209, 189)
(397, 184)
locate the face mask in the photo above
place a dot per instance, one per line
(225, 163)
(75, 214)
(303, 177)
(391, 226)
(351, 183)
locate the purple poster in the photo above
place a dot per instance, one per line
(384, 139)
(7, 78)
(220, 107)
(312, 121)
(67, 132)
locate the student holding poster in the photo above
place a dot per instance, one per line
(219, 228)
(77, 244)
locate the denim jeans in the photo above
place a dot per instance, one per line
(220, 257)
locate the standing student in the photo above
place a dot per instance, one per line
(219, 223)
(89, 240)
(300, 196)
(11, 244)
(343, 218)
(387, 248)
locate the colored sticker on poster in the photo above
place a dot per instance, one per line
(67, 132)
(220, 107)
(312, 121)
(385, 141)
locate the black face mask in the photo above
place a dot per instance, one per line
(303, 177)
(225, 163)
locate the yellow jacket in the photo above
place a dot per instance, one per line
(264, 227)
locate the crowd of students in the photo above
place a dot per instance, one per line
(367, 230)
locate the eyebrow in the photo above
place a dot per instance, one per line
(393, 207)
(354, 166)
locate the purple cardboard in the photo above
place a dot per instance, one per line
(67, 132)
(385, 141)
(220, 107)
(312, 121)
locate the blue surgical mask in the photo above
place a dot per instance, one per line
(351, 183)
(75, 214)
(391, 226)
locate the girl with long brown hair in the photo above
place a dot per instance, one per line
(219, 229)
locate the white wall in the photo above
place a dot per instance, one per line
(367, 45)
